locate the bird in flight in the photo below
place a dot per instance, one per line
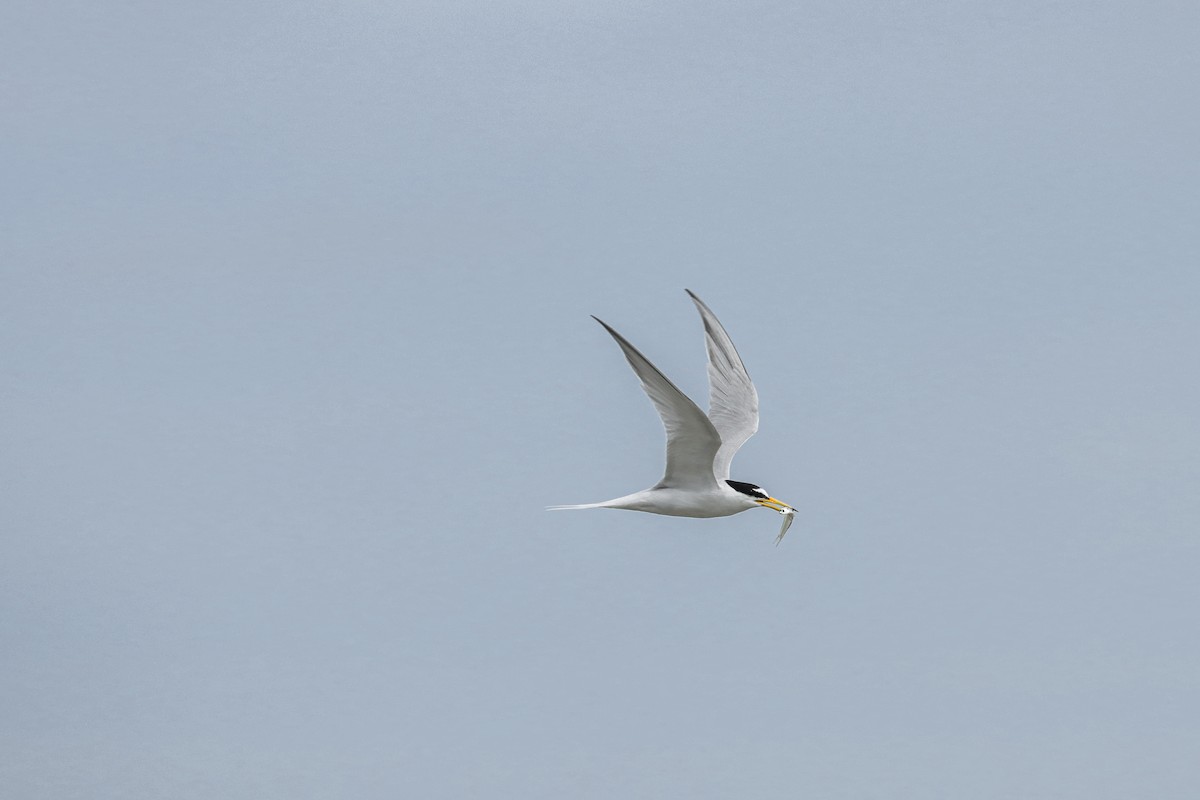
(700, 446)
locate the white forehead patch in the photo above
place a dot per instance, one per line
(761, 491)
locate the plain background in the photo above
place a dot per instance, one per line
(296, 348)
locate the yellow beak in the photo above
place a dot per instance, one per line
(775, 505)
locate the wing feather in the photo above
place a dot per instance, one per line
(692, 440)
(733, 401)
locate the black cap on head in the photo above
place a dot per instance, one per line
(756, 492)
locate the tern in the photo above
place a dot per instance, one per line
(700, 447)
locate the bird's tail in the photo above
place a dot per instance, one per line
(576, 507)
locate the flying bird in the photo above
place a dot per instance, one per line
(700, 447)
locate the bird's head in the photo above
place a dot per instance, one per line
(761, 497)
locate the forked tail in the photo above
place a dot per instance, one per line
(583, 505)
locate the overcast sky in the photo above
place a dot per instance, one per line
(296, 348)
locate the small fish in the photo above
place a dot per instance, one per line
(789, 514)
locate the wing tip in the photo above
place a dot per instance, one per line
(705, 311)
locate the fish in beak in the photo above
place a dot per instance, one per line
(789, 514)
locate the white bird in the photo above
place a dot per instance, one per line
(700, 447)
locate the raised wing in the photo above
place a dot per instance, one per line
(732, 400)
(692, 441)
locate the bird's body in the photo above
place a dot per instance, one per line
(700, 446)
(677, 502)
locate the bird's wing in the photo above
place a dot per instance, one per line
(692, 441)
(732, 401)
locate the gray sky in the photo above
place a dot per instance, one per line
(296, 349)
